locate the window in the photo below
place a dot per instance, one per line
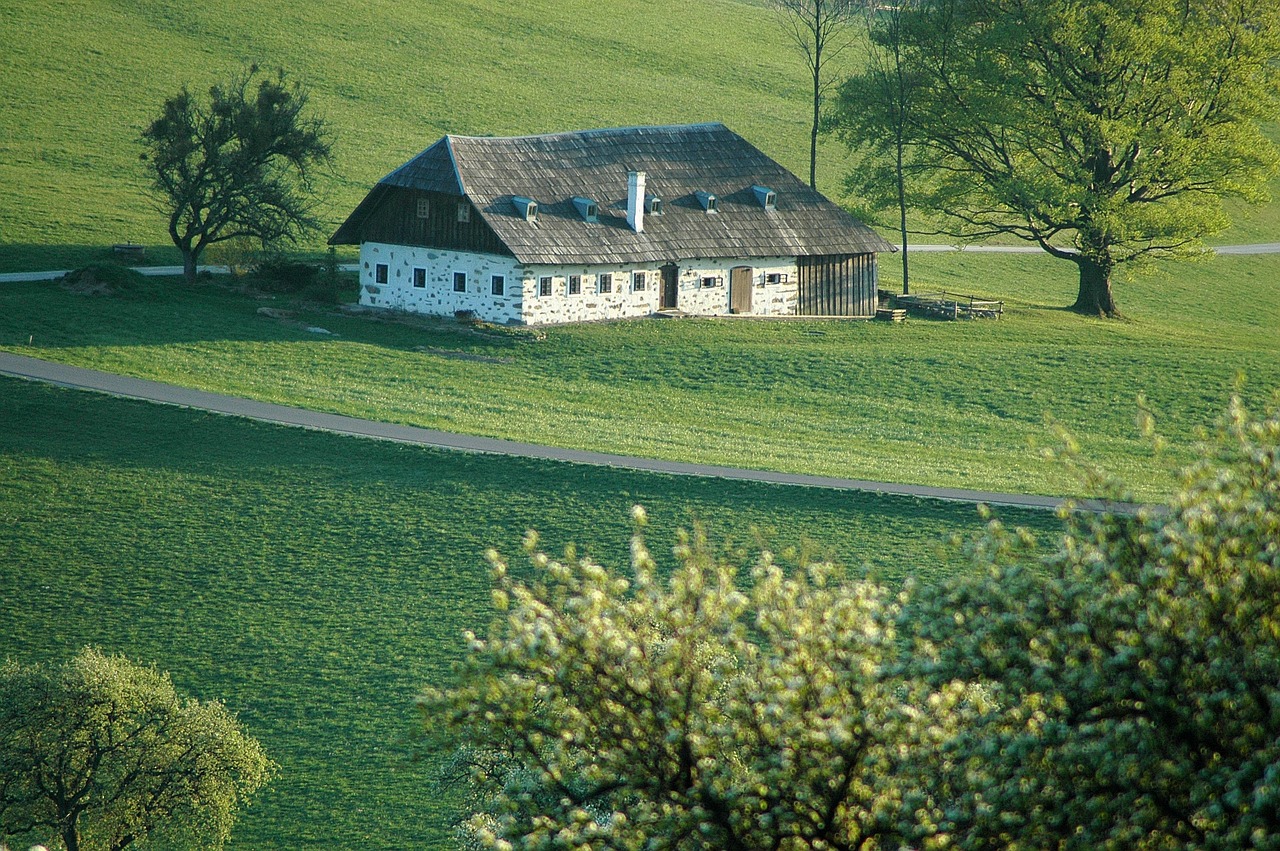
(424, 208)
(464, 211)
(380, 273)
(711, 281)
(544, 286)
(638, 281)
(459, 282)
(606, 283)
(419, 278)
(586, 208)
(575, 285)
(526, 208)
(708, 201)
(498, 285)
(775, 278)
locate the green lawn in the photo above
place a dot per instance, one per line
(390, 77)
(316, 583)
(960, 404)
(84, 77)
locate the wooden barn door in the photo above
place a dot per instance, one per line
(837, 285)
(740, 289)
(670, 287)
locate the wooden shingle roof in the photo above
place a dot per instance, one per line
(679, 162)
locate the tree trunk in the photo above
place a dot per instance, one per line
(1095, 297)
(902, 215)
(813, 136)
(189, 265)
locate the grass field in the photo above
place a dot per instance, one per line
(82, 79)
(316, 583)
(959, 404)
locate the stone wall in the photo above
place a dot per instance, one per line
(422, 280)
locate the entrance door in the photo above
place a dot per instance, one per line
(740, 289)
(670, 286)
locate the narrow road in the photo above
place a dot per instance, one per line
(170, 394)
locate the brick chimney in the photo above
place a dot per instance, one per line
(635, 200)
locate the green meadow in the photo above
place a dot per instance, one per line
(316, 583)
(961, 404)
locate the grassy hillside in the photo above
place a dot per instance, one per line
(925, 402)
(83, 78)
(316, 583)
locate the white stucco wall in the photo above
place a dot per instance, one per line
(624, 302)
(438, 296)
(522, 301)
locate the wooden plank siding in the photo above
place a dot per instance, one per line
(394, 219)
(837, 285)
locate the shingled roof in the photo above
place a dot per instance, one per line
(679, 162)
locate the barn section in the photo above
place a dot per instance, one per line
(604, 224)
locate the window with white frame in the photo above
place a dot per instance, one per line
(498, 284)
(574, 286)
(605, 283)
(775, 278)
(380, 273)
(544, 285)
(464, 211)
(709, 281)
(424, 208)
(419, 277)
(639, 281)
(459, 282)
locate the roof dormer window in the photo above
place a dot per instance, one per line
(526, 208)
(766, 196)
(708, 201)
(587, 209)
(652, 205)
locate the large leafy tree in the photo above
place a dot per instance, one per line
(1104, 131)
(239, 165)
(684, 712)
(1135, 673)
(1121, 691)
(102, 753)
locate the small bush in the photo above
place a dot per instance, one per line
(277, 274)
(112, 280)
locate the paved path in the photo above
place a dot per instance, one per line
(53, 275)
(155, 391)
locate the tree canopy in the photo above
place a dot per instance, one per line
(102, 753)
(1104, 131)
(239, 165)
(1119, 690)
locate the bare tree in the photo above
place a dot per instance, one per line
(821, 30)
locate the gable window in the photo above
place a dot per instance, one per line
(638, 281)
(498, 284)
(419, 277)
(575, 285)
(544, 286)
(526, 208)
(459, 282)
(424, 208)
(605, 284)
(464, 211)
(380, 273)
(653, 205)
(711, 281)
(586, 208)
(766, 196)
(708, 201)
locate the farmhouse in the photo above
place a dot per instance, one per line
(607, 224)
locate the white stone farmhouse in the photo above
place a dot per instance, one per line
(608, 224)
